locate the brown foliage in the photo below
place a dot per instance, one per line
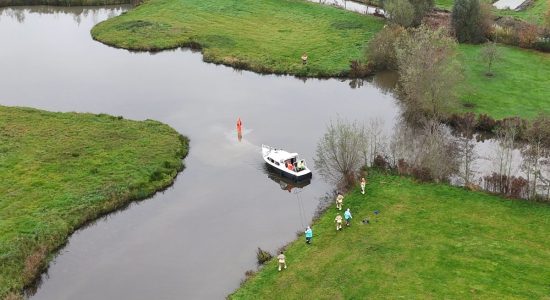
(528, 36)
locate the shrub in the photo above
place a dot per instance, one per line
(380, 163)
(421, 7)
(381, 49)
(528, 36)
(485, 123)
(467, 21)
(401, 12)
(423, 174)
(263, 256)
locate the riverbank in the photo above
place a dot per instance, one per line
(59, 171)
(263, 36)
(429, 241)
(4, 3)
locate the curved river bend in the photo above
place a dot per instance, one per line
(196, 239)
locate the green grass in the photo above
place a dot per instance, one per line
(430, 241)
(60, 170)
(520, 85)
(267, 36)
(534, 13)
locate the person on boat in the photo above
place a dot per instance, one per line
(338, 221)
(339, 201)
(309, 235)
(301, 165)
(347, 216)
(290, 166)
(363, 184)
(282, 260)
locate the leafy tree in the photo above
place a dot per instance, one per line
(467, 21)
(401, 12)
(428, 72)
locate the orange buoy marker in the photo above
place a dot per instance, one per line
(239, 124)
(239, 129)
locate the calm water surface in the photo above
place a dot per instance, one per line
(196, 239)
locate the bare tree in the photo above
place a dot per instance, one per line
(536, 153)
(506, 136)
(489, 54)
(429, 147)
(339, 154)
(466, 146)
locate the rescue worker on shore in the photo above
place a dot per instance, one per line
(338, 221)
(339, 201)
(282, 261)
(309, 235)
(363, 184)
(347, 216)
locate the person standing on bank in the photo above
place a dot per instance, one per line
(339, 201)
(282, 260)
(338, 221)
(347, 216)
(309, 235)
(363, 184)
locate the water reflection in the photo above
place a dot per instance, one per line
(284, 183)
(78, 13)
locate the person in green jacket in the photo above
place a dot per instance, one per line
(309, 235)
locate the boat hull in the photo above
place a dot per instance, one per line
(300, 176)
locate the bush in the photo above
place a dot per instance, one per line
(401, 12)
(423, 174)
(485, 123)
(263, 256)
(467, 21)
(381, 49)
(528, 36)
(380, 163)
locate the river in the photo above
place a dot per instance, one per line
(196, 239)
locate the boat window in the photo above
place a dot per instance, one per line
(277, 163)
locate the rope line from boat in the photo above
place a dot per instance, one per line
(301, 210)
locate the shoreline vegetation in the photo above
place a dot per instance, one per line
(429, 239)
(6, 3)
(269, 37)
(59, 171)
(263, 36)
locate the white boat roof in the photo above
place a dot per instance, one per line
(281, 155)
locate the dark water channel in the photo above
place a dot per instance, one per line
(196, 239)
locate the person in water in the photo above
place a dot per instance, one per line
(339, 201)
(338, 221)
(309, 235)
(282, 261)
(347, 216)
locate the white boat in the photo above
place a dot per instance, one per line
(285, 163)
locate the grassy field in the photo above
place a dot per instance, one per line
(520, 86)
(533, 13)
(61, 2)
(430, 241)
(60, 170)
(267, 36)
